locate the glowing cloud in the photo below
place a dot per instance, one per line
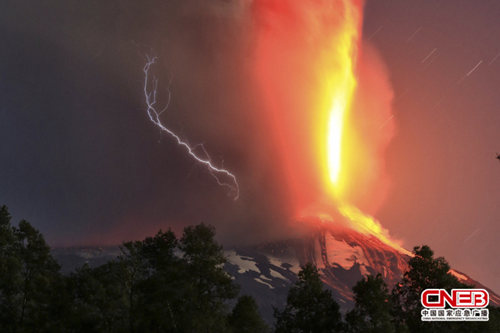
(319, 109)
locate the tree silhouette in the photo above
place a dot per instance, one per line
(245, 317)
(425, 272)
(208, 286)
(372, 310)
(309, 308)
(29, 275)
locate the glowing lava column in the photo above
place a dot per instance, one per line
(343, 83)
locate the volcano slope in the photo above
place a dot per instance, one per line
(342, 255)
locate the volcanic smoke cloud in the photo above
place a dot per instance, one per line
(327, 105)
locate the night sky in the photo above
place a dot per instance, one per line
(81, 161)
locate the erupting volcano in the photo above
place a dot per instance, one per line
(327, 99)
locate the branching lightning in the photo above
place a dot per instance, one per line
(222, 176)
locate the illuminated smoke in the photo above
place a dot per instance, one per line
(222, 176)
(325, 109)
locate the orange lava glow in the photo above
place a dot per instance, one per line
(327, 140)
(340, 83)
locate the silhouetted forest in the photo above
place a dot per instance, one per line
(169, 284)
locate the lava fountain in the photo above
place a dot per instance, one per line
(322, 101)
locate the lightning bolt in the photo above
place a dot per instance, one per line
(222, 176)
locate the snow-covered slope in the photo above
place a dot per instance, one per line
(343, 256)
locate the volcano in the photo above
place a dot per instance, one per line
(342, 255)
(266, 271)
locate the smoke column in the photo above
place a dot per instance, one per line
(328, 108)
